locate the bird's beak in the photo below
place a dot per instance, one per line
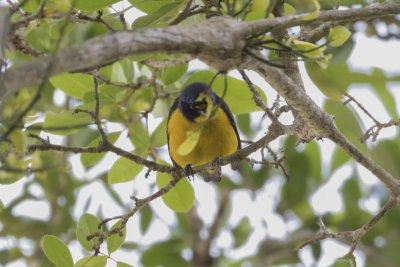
(203, 112)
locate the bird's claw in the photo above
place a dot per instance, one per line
(189, 171)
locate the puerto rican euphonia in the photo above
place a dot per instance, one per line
(217, 135)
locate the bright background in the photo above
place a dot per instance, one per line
(367, 54)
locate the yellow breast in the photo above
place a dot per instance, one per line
(217, 138)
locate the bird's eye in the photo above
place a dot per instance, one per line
(201, 106)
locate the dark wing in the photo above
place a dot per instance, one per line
(228, 112)
(236, 164)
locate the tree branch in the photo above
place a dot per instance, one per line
(218, 41)
(355, 235)
(318, 120)
(273, 133)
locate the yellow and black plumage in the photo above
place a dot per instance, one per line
(218, 137)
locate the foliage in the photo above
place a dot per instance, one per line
(130, 99)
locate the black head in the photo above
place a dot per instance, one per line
(190, 105)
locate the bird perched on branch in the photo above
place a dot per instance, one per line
(200, 129)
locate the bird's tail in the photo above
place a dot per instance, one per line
(212, 175)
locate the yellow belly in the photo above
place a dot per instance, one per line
(217, 139)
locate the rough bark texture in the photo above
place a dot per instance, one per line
(218, 41)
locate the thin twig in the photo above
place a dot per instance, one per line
(354, 235)
(98, 76)
(243, 8)
(375, 132)
(184, 14)
(123, 21)
(257, 97)
(375, 129)
(262, 59)
(153, 83)
(350, 98)
(97, 19)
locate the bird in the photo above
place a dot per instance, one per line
(217, 134)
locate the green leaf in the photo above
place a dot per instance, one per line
(298, 170)
(138, 135)
(84, 136)
(254, 15)
(378, 82)
(314, 14)
(122, 71)
(146, 215)
(295, 193)
(19, 140)
(112, 91)
(87, 225)
(259, 5)
(289, 9)
(338, 159)
(90, 5)
(338, 35)
(243, 122)
(115, 241)
(322, 80)
(140, 100)
(123, 170)
(65, 123)
(241, 232)
(168, 253)
(238, 96)
(92, 261)
(180, 198)
(386, 153)
(313, 153)
(149, 6)
(90, 159)
(1, 205)
(7, 177)
(162, 15)
(59, 5)
(161, 108)
(13, 161)
(123, 264)
(347, 261)
(73, 84)
(172, 74)
(192, 138)
(30, 6)
(256, 177)
(159, 137)
(311, 50)
(57, 251)
(105, 101)
(347, 122)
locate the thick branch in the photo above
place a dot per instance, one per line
(214, 36)
(218, 41)
(321, 122)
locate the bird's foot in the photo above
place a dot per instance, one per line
(189, 171)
